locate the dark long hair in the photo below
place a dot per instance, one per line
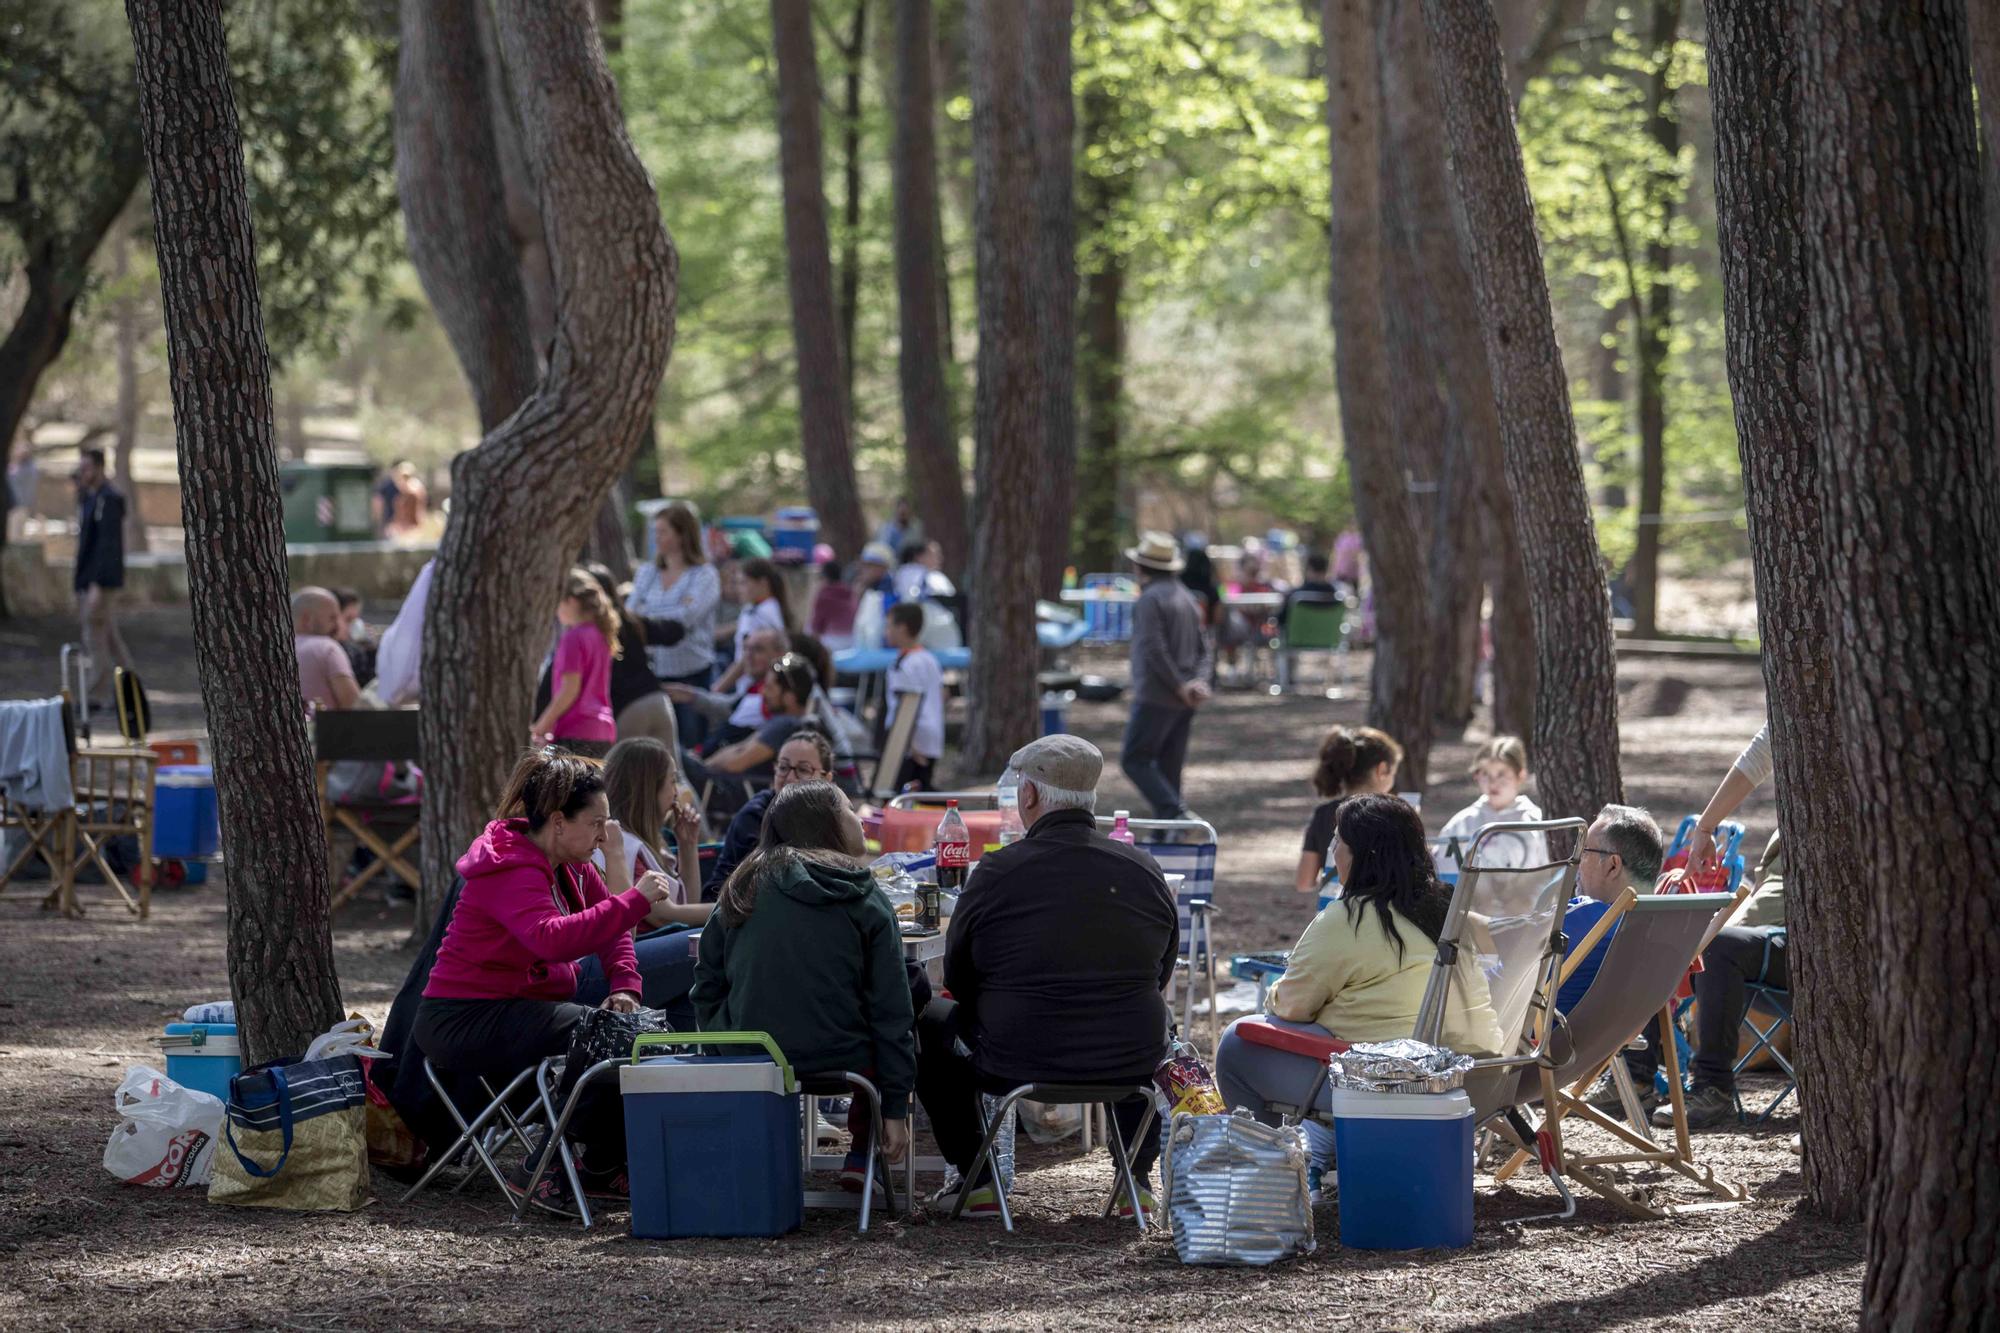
(1348, 755)
(803, 824)
(1392, 866)
(767, 573)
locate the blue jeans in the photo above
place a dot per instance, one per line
(1156, 742)
(666, 974)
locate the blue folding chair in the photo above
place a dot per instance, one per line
(1186, 847)
(1764, 1037)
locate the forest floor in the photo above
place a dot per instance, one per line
(79, 1000)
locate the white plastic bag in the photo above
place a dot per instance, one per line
(166, 1138)
(352, 1036)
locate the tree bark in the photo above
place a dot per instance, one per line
(1983, 22)
(522, 500)
(520, 190)
(1009, 404)
(125, 436)
(1656, 314)
(1399, 697)
(1103, 357)
(1909, 485)
(829, 455)
(853, 51)
(1760, 217)
(1051, 30)
(1531, 58)
(937, 481)
(1575, 738)
(281, 969)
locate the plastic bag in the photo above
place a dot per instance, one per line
(166, 1137)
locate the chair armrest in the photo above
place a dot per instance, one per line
(1312, 1045)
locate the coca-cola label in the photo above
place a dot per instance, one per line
(954, 855)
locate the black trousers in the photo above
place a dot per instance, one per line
(500, 1038)
(1155, 753)
(1736, 957)
(949, 1087)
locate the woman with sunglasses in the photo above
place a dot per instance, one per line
(788, 693)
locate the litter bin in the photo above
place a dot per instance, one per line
(328, 502)
(1402, 1135)
(1055, 711)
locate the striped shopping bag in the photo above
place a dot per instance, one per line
(297, 1135)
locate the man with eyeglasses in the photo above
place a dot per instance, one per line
(1623, 849)
(806, 757)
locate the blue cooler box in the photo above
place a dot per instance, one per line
(184, 814)
(712, 1142)
(203, 1056)
(1405, 1169)
(794, 533)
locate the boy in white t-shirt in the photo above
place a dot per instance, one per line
(1501, 769)
(915, 669)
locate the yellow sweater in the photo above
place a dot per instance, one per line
(1344, 975)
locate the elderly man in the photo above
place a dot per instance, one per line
(1058, 951)
(326, 677)
(1170, 661)
(744, 712)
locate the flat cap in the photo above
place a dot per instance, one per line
(1069, 762)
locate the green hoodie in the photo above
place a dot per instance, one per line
(818, 965)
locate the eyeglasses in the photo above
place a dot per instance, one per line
(784, 770)
(1601, 851)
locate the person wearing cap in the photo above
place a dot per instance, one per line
(1057, 954)
(871, 573)
(1170, 662)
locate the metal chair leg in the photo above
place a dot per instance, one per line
(469, 1132)
(990, 1157)
(1124, 1155)
(559, 1124)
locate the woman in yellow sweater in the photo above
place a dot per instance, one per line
(1359, 971)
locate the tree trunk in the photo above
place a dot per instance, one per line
(1399, 697)
(280, 947)
(1909, 485)
(520, 191)
(451, 184)
(937, 481)
(1009, 404)
(854, 51)
(610, 542)
(522, 500)
(1575, 738)
(1664, 125)
(829, 456)
(1983, 21)
(1102, 359)
(1051, 30)
(1530, 58)
(1760, 218)
(125, 435)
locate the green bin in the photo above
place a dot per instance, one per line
(328, 502)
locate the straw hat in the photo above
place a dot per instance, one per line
(1158, 551)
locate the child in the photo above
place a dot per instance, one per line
(579, 716)
(1501, 769)
(1353, 761)
(915, 669)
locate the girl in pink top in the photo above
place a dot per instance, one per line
(579, 716)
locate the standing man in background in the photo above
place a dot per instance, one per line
(100, 567)
(1170, 661)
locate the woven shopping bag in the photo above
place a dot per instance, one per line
(297, 1137)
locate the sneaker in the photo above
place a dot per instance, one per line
(1316, 1194)
(982, 1202)
(1707, 1108)
(551, 1193)
(1604, 1097)
(1146, 1200)
(854, 1173)
(613, 1185)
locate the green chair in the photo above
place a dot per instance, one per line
(1313, 625)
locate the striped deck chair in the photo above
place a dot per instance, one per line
(1186, 847)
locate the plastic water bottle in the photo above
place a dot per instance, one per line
(1121, 827)
(1009, 801)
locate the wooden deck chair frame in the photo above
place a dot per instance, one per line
(895, 746)
(118, 778)
(366, 735)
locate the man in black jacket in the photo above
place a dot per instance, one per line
(1058, 952)
(100, 568)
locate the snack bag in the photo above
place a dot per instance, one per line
(1186, 1083)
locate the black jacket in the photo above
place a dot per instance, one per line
(100, 539)
(1059, 949)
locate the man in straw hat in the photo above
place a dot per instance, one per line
(1170, 660)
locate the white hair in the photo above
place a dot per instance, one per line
(1051, 797)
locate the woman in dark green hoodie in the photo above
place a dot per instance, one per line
(804, 946)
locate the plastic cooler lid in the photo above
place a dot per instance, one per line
(201, 1029)
(1353, 1104)
(185, 775)
(680, 1073)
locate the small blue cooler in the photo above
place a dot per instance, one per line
(794, 533)
(202, 1056)
(184, 815)
(1405, 1168)
(1055, 711)
(712, 1142)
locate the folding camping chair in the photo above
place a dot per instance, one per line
(1763, 1038)
(106, 794)
(486, 1131)
(1186, 847)
(1104, 1096)
(376, 738)
(895, 746)
(1314, 623)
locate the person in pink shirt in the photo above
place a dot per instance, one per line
(579, 716)
(501, 994)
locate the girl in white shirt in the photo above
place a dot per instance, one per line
(1501, 769)
(764, 607)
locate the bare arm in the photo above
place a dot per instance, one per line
(741, 757)
(567, 689)
(1310, 865)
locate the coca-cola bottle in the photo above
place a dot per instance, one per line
(953, 846)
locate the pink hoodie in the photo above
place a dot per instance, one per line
(512, 935)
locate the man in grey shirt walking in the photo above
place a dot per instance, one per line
(1170, 658)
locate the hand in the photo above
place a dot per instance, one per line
(656, 886)
(687, 823)
(680, 694)
(895, 1140)
(1194, 693)
(621, 1002)
(536, 736)
(1703, 854)
(612, 840)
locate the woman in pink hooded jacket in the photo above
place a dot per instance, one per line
(500, 996)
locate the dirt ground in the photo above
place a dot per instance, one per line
(79, 1000)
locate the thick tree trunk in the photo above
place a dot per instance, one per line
(829, 455)
(1664, 126)
(1102, 360)
(1052, 25)
(280, 948)
(1009, 404)
(522, 500)
(1760, 217)
(854, 53)
(520, 191)
(1910, 497)
(1399, 698)
(937, 480)
(1575, 738)
(125, 432)
(1983, 22)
